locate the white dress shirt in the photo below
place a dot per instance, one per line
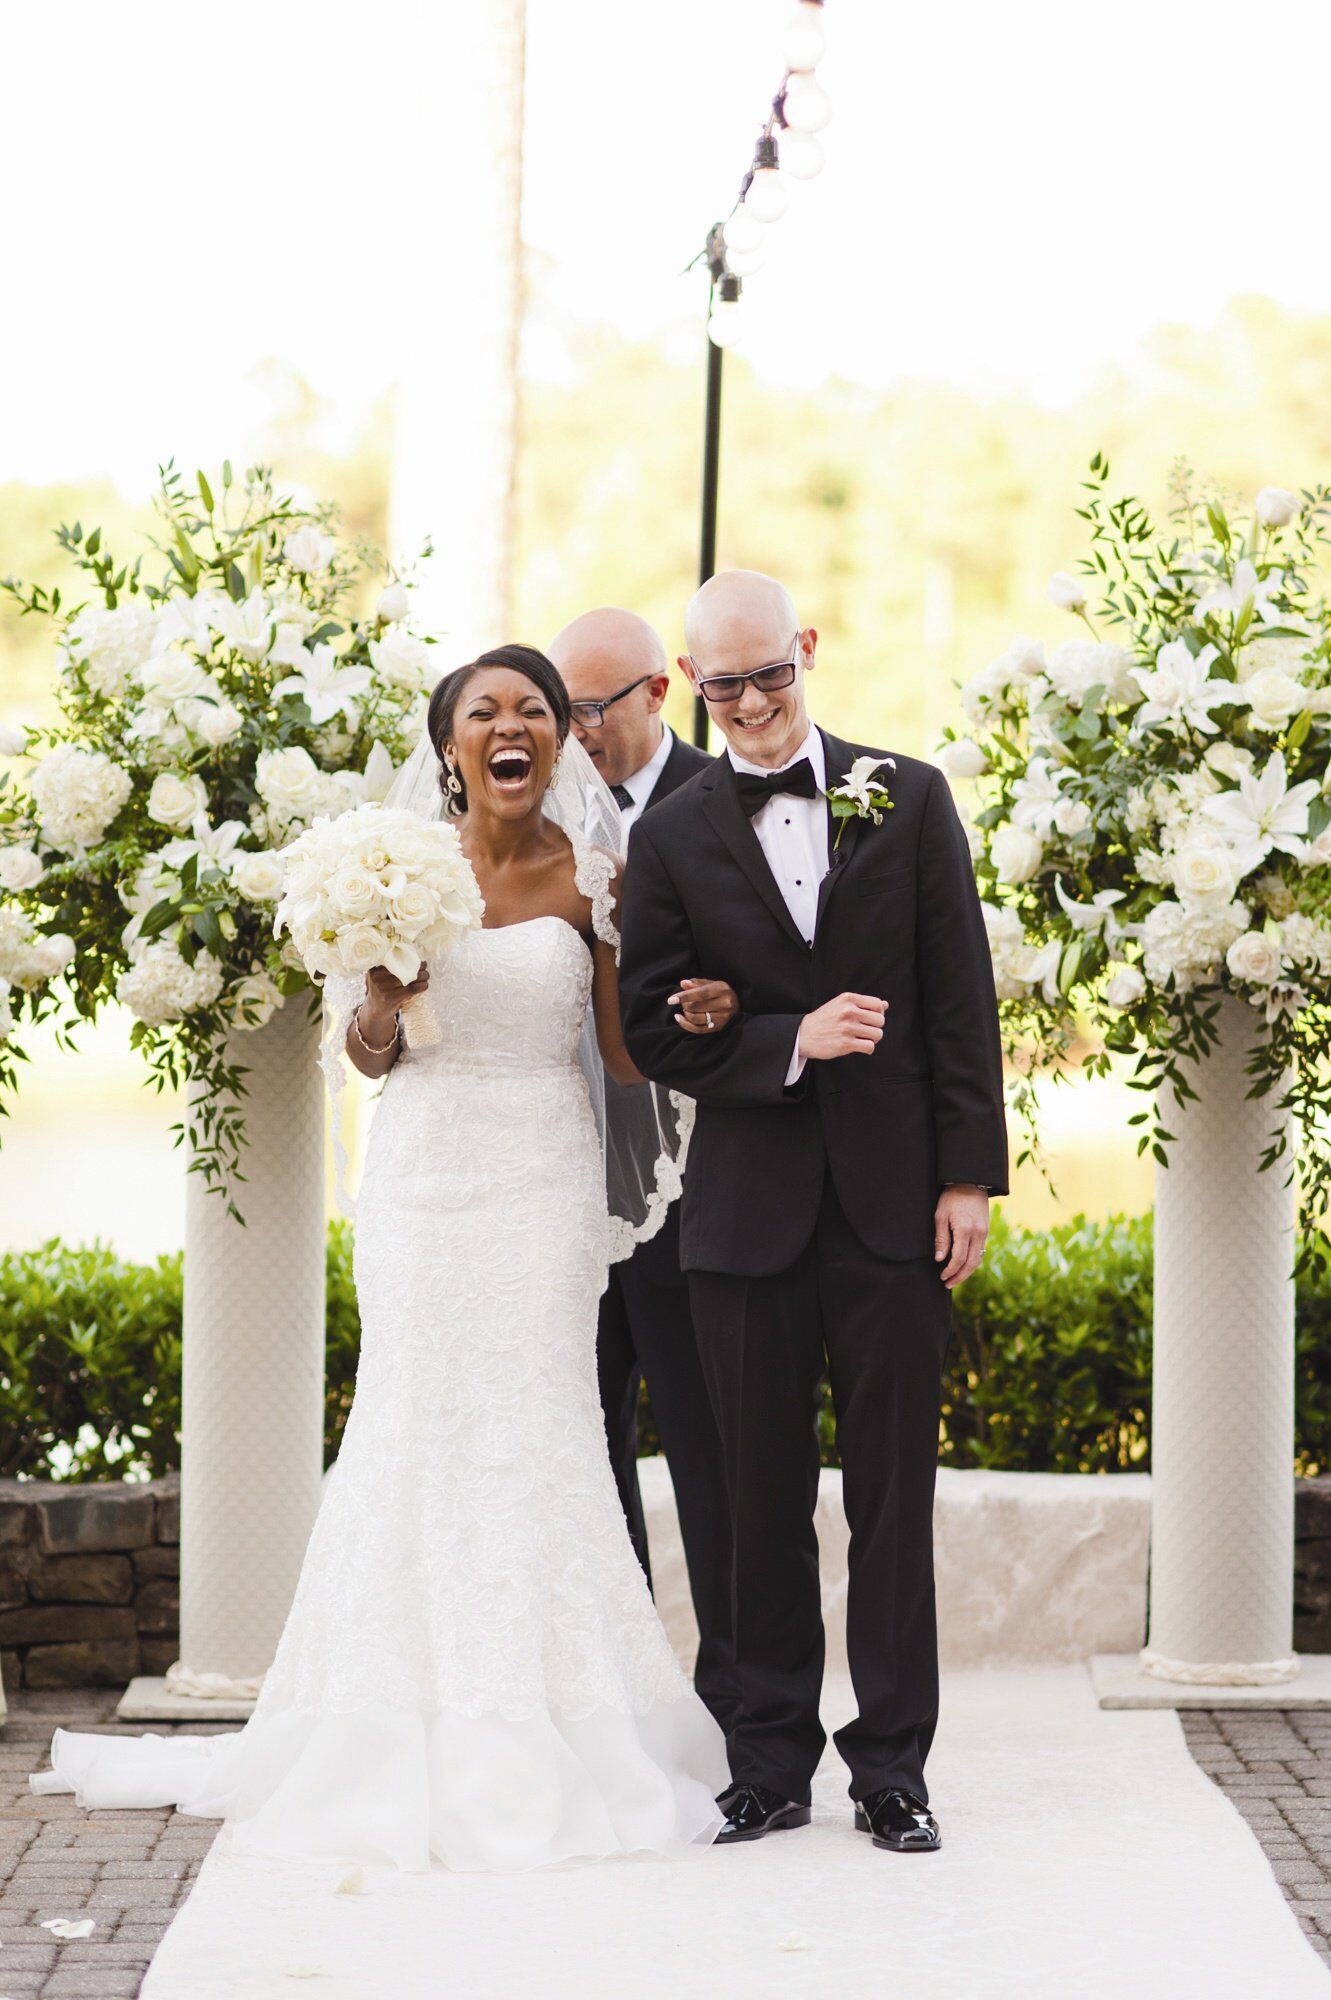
(643, 783)
(792, 833)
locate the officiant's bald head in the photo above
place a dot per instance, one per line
(615, 668)
(739, 624)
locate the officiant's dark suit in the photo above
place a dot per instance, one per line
(807, 1222)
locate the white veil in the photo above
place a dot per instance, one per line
(644, 1128)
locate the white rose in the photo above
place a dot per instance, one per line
(1072, 816)
(962, 759)
(1274, 697)
(393, 604)
(1126, 987)
(1253, 957)
(217, 722)
(1016, 853)
(52, 954)
(401, 661)
(171, 676)
(1275, 508)
(1202, 873)
(355, 891)
(254, 1000)
(19, 868)
(308, 549)
(13, 739)
(291, 782)
(174, 801)
(1065, 591)
(413, 907)
(362, 946)
(257, 877)
(1228, 759)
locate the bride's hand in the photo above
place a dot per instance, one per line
(706, 1005)
(385, 995)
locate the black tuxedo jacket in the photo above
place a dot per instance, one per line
(898, 916)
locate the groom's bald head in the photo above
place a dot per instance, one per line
(738, 623)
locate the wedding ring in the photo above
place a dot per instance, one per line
(710, 1022)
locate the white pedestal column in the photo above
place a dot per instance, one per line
(252, 1419)
(1222, 1444)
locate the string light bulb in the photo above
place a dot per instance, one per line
(802, 156)
(743, 234)
(807, 106)
(723, 326)
(806, 37)
(765, 199)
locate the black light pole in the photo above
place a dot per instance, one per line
(711, 450)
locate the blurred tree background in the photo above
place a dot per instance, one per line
(915, 528)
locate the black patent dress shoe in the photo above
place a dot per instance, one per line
(898, 1821)
(753, 1810)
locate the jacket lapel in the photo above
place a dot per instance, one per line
(721, 803)
(840, 756)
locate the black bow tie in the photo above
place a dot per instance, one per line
(623, 796)
(755, 791)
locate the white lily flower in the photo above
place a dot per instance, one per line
(1178, 690)
(1091, 916)
(248, 626)
(858, 781)
(325, 688)
(1263, 813)
(379, 773)
(1036, 797)
(1245, 589)
(213, 844)
(69, 1927)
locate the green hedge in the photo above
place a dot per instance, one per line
(1049, 1368)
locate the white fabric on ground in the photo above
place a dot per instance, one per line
(1084, 1853)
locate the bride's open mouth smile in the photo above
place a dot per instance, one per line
(509, 769)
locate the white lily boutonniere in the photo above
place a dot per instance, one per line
(860, 795)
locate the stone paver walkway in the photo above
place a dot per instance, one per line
(130, 1871)
(1275, 1765)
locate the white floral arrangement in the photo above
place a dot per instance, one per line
(376, 887)
(1154, 819)
(242, 677)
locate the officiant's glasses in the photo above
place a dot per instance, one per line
(768, 680)
(591, 714)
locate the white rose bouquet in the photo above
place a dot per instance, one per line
(377, 888)
(1154, 803)
(242, 677)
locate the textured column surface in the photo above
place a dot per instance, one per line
(254, 1363)
(1222, 1444)
(455, 431)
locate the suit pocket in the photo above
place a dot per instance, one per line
(894, 877)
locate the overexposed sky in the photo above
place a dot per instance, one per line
(1014, 195)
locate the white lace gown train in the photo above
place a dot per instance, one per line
(472, 1672)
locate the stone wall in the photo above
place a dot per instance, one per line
(89, 1582)
(90, 1579)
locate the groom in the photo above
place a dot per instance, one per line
(849, 1133)
(615, 669)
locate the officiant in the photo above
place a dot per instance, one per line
(617, 674)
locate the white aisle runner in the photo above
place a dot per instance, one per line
(1085, 1854)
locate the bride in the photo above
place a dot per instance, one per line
(472, 1670)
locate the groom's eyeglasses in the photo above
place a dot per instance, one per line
(768, 680)
(591, 714)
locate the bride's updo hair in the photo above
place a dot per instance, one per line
(542, 673)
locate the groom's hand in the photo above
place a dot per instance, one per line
(961, 1226)
(850, 1025)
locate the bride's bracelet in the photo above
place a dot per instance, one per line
(369, 1049)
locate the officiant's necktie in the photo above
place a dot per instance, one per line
(755, 790)
(623, 797)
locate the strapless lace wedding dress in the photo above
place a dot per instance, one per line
(472, 1671)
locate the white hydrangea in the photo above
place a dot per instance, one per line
(6, 1013)
(160, 986)
(77, 794)
(1282, 655)
(109, 646)
(1082, 664)
(1306, 944)
(28, 958)
(1185, 945)
(1015, 962)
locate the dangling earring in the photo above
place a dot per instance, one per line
(454, 788)
(555, 770)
